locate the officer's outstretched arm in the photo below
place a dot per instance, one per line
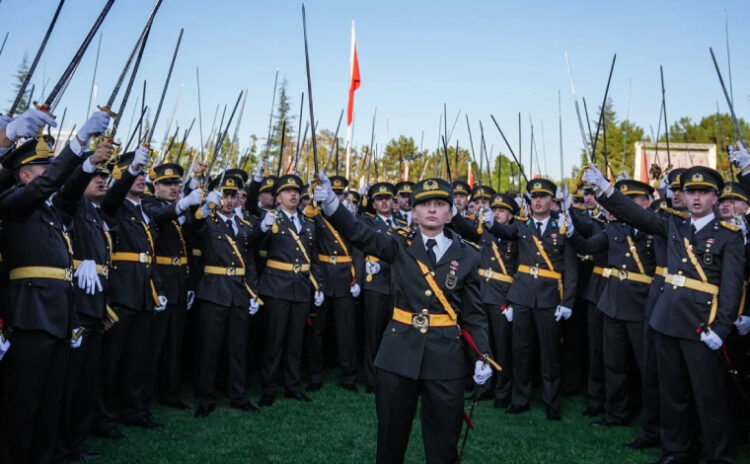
(506, 231)
(589, 246)
(382, 245)
(629, 212)
(466, 228)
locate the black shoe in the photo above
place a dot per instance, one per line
(370, 389)
(501, 403)
(593, 412)
(85, 456)
(604, 422)
(642, 443)
(553, 414)
(670, 459)
(246, 406)
(349, 386)
(515, 409)
(297, 395)
(313, 387)
(265, 400)
(174, 403)
(112, 434)
(204, 410)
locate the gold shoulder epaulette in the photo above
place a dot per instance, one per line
(369, 214)
(579, 206)
(470, 243)
(245, 221)
(730, 226)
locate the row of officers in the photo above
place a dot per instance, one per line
(103, 271)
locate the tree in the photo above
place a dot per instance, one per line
(20, 76)
(281, 115)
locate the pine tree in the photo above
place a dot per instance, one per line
(20, 76)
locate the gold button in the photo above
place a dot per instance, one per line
(393, 330)
(423, 330)
(624, 266)
(684, 260)
(627, 255)
(425, 311)
(428, 293)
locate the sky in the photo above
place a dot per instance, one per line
(479, 57)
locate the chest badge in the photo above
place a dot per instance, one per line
(451, 280)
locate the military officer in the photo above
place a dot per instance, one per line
(461, 195)
(435, 287)
(403, 195)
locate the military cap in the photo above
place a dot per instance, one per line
(381, 189)
(429, 189)
(733, 190)
(541, 187)
(504, 200)
(404, 188)
(587, 189)
(701, 178)
(461, 187)
(121, 163)
(236, 172)
(305, 193)
(484, 192)
(631, 187)
(33, 151)
(674, 178)
(268, 183)
(338, 183)
(354, 196)
(167, 173)
(228, 183)
(286, 182)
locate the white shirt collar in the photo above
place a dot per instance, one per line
(700, 223)
(229, 218)
(441, 246)
(544, 222)
(135, 203)
(384, 218)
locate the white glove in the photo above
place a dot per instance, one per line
(77, 338)
(372, 268)
(213, 197)
(488, 218)
(739, 157)
(563, 312)
(191, 199)
(254, 306)
(5, 120)
(569, 227)
(622, 175)
(319, 297)
(354, 290)
(664, 182)
(710, 338)
(593, 176)
(482, 372)
(743, 325)
(739, 221)
(323, 191)
(508, 313)
(565, 197)
(4, 347)
(97, 124)
(268, 221)
(363, 189)
(258, 173)
(28, 124)
(88, 279)
(140, 159)
(162, 303)
(190, 299)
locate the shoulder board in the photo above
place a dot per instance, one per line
(470, 217)
(730, 226)
(246, 222)
(600, 219)
(579, 207)
(369, 215)
(470, 243)
(401, 231)
(410, 234)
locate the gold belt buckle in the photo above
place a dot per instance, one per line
(296, 268)
(231, 271)
(622, 274)
(333, 259)
(175, 260)
(421, 321)
(534, 271)
(105, 271)
(69, 274)
(678, 280)
(488, 274)
(143, 258)
(606, 272)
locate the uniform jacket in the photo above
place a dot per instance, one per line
(339, 276)
(171, 244)
(590, 285)
(380, 282)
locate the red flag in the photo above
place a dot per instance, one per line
(354, 80)
(470, 179)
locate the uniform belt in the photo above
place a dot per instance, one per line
(172, 260)
(598, 270)
(422, 320)
(536, 271)
(335, 259)
(622, 274)
(224, 271)
(662, 271)
(693, 284)
(101, 269)
(42, 272)
(490, 274)
(196, 252)
(131, 257)
(263, 253)
(282, 266)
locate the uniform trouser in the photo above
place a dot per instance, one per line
(81, 388)
(595, 389)
(502, 336)
(284, 330)
(619, 338)
(124, 360)
(693, 392)
(573, 333)
(219, 323)
(441, 415)
(33, 391)
(165, 351)
(650, 430)
(377, 311)
(527, 322)
(345, 322)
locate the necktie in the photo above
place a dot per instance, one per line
(539, 229)
(143, 215)
(388, 222)
(229, 226)
(693, 231)
(295, 222)
(430, 250)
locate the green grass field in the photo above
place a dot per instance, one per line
(340, 427)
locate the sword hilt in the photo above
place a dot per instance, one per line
(109, 111)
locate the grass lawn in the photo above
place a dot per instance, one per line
(340, 427)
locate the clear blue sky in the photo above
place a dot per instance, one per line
(482, 57)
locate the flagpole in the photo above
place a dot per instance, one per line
(349, 126)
